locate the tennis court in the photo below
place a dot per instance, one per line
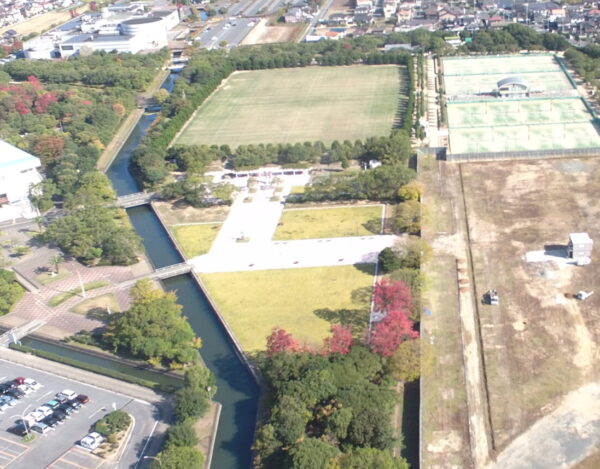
(482, 124)
(475, 75)
(518, 125)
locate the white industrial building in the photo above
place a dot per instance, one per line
(18, 172)
(115, 29)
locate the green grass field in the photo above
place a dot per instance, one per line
(298, 105)
(329, 222)
(253, 303)
(196, 240)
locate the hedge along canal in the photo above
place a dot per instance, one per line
(238, 392)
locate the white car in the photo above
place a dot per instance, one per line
(24, 388)
(92, 441)
(33, 384)
(45, 411)
(35, 415)
(66, 395)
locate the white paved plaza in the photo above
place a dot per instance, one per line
(245, 241)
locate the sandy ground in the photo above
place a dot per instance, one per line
(40, 23)
(561, 439)
(264, 34)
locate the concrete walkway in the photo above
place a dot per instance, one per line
(561, 439)
(245, 241)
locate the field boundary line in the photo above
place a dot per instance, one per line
(477, 319)
(191, 118)
(332, 207)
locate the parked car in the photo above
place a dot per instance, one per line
(92, 441)
(19, 429)
(33, 384)
(5, 387)
(51, 421)
(53, 404)
(3, 406)
(75, 404)
(66, 395)
(19, 381)
(11, 401)
(44, 410)
(41, 427)
(16, 393)
(60, 415)
(66, 408)
(83, 398)
(35, 415)
(25, 389)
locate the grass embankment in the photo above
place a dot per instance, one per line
(288, 106)
(304, 302)
(62, 297)
(196, 240)
(335, 222)
(123, 376)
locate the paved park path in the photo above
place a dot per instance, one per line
(245, 241)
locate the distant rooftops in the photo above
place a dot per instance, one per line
(12, 156)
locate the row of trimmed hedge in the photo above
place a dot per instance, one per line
(97, 369)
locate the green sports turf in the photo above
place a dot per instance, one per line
(298, 105)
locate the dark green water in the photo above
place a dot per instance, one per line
(237, 391)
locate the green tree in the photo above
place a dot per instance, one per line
(312, 453)
(405, 363)
(413, 252)
(160, 96)
(95, 189)
(56, 261)
(408, 217)
(113, 423)
(389, 261)
(369, 458)
(182, 434)
(190, 403)
(154, 330)
(179, 457)
(10, 291)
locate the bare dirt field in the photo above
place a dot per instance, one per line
(265, 34)
(538, 344)
(340, 6)
(39, 23)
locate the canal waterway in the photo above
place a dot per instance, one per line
(237, 390)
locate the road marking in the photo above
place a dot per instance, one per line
(47, 394)
(146, 445)
(101, 409)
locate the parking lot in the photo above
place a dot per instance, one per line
(58, 448)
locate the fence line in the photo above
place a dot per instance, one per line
(524, 154)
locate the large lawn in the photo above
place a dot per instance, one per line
(329, 222)
(298, 105)
(196, 240)
(253, 303)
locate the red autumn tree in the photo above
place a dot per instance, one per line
(35, 83)
(280, 341)
(43, 101)
(340, 340)
(391, 295)
(391, 331)
(48, 147)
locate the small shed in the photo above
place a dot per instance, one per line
(580, 246)
(512, 87)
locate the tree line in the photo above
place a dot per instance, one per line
(128, 71)
(207, 69)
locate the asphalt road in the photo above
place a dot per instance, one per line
(47, 448)
(233, 32)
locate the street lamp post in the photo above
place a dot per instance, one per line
(25, 424)
(154, 457)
